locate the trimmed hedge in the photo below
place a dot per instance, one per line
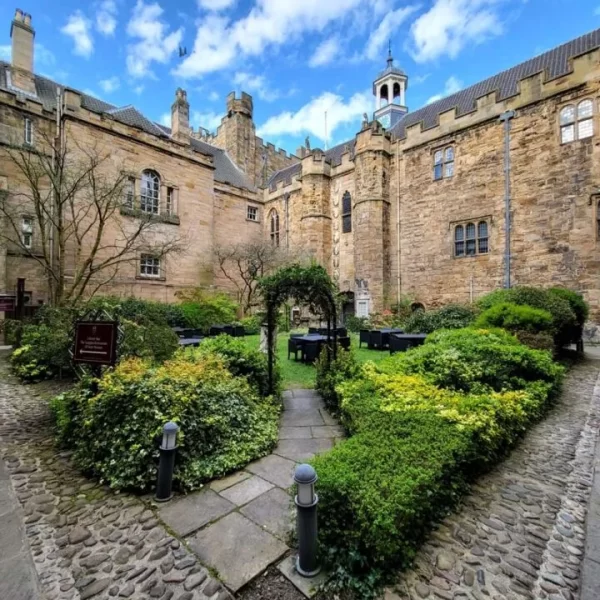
(331, 373)
(115, 431)
(423, 424)
(452, 316)
(515, 317)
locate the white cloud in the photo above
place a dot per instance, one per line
(155, 43)
(208, 120)
(78, 28)
(418, 79)
(5, 52)
(597, 11)
(43, 56)
(255, 83)
(311, 117)
(452, 86)
(165, 119)
(106, 21)
(452, 24)
(270, 23)
(110, 85)
(138, 89)
(215, 4)
(325, 52)
(213, 96)
(375, 48)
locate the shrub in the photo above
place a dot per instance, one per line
(453, 316)
(355, 324)
(476, 360)
(331, 373)
(576, 302)
(43, 353)
(241, 360)
(203, 308)
(154, 342)
(424, 423)
(537, 341)
(251, 324)
(142, 312)
(565, 327)
(115, 433)
(11, 329)
(515, 317)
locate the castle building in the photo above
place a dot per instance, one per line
(496, 185)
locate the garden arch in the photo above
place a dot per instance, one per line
(311, 286)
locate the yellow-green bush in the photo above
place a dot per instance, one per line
(115, 430)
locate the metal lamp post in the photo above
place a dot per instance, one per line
(166, 463)
(306, 501)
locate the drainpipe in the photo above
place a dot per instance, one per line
(398, 275)
(287, 220)
(506, 119)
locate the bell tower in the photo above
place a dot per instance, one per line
(389, 90)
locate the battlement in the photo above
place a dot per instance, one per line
(489, 99)
(243, 105)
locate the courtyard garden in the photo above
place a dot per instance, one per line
(421, 425)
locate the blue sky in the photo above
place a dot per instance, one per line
(298, 58)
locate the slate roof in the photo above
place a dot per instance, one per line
(225, 170)
(554, 63)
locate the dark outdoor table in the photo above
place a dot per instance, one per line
(195, 341)
(311, 337)
(401, 342)
(381, 337)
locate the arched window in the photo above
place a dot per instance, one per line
(384, 97)
(459, 240)
(577, 122)
(150, 192)
(274, 219)
(346, 213)
(396, 94)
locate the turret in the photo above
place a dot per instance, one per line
(389, 90)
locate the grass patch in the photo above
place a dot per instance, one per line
(297, 375)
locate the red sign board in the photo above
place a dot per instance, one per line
(7, 303)
(96, 342)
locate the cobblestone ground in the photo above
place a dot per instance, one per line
(520, 532)
(86, 541)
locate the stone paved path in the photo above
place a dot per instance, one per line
(86, 541)
(241, 524)
(520, 533)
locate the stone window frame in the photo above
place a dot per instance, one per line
(444, 160)
(571, 117)
(129, 201)
(150, 198)
(346, 212)
(171, 197)
(252, 213)
(144, 263)
(27, 231)
(28, 131)
(471, 238)
(274, 224)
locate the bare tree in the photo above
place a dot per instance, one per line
(244, 264)
(74, 198)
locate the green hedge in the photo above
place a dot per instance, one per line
(566, 328)
(330, 373)
(423, 424)
(241, 360)
(115, 431)
(516, 317)
(452, 316)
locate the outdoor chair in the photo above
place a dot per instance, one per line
(314, 330)
(293, 348)
(229, 330)
(364, 338)
(344, 342)
(239, 331)
(342, 332)
(310, 352)
(376, 339)
(188, 333)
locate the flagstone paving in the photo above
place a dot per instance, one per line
(242, 524)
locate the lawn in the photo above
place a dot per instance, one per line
(299, 375)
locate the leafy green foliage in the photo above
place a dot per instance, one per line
(153, 342)
(452, 316)
(355, 324)
(203, 308)
(115, 432)
(516, 317)
(11, 329)
(331, 372)
(423, 423)
(565, 327)
(576, 302)
(251, 324)
(241, 360)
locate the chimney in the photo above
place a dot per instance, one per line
(22, 34)
(300, 153)
(180, 117)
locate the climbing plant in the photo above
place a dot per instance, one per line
(308, 285)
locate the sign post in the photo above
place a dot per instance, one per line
(20, 298)
(96, 343)
(7, 303)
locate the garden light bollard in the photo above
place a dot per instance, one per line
(166, 463)
(306, 501)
